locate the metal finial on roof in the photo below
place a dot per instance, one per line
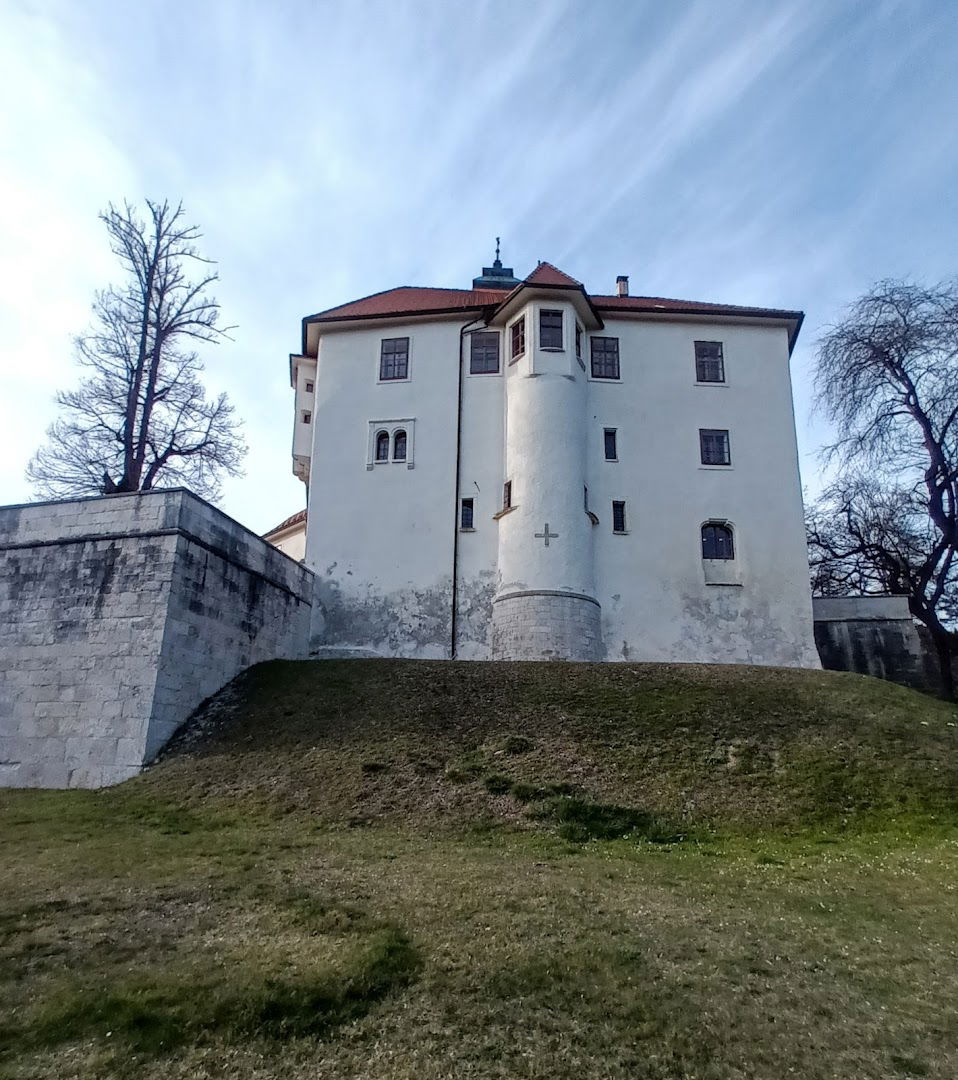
(497, 249)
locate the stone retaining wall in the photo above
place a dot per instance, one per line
(118, 617)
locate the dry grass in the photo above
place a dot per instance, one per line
(240, 926)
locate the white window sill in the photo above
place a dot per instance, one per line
(483, 374)
(621, 532)
(722, 384)
(550, 348)
(462, 528)
(502, 513)
(604, 379)
(716, 468)
(389, 382)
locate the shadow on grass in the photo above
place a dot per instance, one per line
(155, 1016)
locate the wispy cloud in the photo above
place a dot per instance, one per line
(779, 153)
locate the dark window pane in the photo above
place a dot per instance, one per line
(618, 516)
(399, 446)
(507, 495)
(611, 451)
(717, 542)
(605, 358)
(550, 329)
(394, 358)
(467, 514)
(309, 388)
(585, 499)
(578, 341)
(709, 361)
(519, 337)
(484, 353)
(307, 417)
(382, 446)
(715, 447)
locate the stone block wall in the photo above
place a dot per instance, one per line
(874, 635)
(544, 625)
(118, 617)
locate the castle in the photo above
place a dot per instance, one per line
(525, 470)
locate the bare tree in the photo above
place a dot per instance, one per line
(887, 377)
(141, 417)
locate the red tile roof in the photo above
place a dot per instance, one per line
(410, 300)
(296, 519)
(547, 274)
(662, 303)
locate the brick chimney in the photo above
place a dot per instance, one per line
(622, 285)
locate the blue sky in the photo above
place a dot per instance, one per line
(779, 154)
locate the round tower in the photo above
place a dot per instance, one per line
(545, 606)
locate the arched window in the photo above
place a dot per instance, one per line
(382, 446)
(717, 541)
(399, 446)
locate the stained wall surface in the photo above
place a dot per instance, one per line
(118, 617)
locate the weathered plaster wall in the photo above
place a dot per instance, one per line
(874, 635)
(380, 538)
(118, 616)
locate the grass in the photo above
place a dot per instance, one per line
(533, 875)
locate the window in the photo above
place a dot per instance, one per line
(382, 446)
(307, 417)
(507, 495)
(578, 342)
(714, 446)
(585, 499)
(466, 514)
(484, 353)
(394, 358)
(605, 358)
(550, 329)
(709, 362)
(717, 541)
(611, 450)
(399, 446)
(618, 516)
(518, 338)
(309, 388)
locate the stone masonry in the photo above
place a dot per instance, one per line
(544, 625)
(118, 617)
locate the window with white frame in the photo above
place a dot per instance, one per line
(484, 353)
(394, 359)
(390, 442)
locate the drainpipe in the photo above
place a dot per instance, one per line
(455, 535)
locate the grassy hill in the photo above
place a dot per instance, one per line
(429, 870)
(692, 746)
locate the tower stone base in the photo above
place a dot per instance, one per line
(546, 625)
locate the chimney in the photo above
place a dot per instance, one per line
(622, 285)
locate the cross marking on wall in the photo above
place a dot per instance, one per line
(546, 535)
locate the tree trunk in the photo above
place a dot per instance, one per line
(943, 650)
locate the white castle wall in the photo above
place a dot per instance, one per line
(118, 617)
(381, 539)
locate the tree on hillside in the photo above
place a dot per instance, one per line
(887, 378)
(141, 417)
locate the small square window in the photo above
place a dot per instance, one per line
(709, 362)
(518, 338)
(550, 329)
(605, 357)
(618, 516)
(714, 445)
(484, 353)
(467, 514)
(309, 388)
(507, 495)
(394, 359)
(611, 450)
(307, 417)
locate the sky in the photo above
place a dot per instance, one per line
(760, 153)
